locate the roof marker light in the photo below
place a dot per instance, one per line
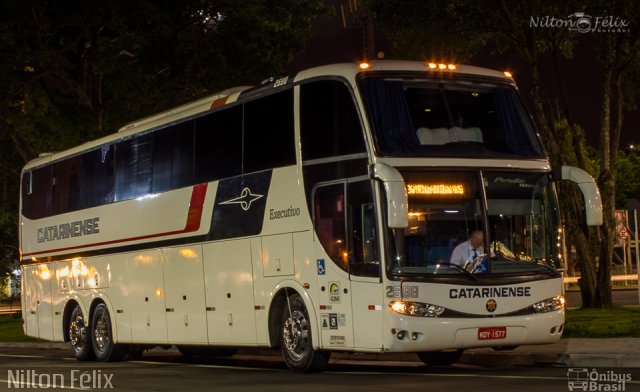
(364, 65)
(508, 74)
(442, 66)
(451, 66)
(432, 65)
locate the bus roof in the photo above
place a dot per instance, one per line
(346, 70)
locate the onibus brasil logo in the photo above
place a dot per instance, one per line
(583, 379)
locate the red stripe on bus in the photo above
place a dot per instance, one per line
(194, 218)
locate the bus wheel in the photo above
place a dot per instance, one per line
(440, 358)
(295, 339)
(102, 336)
(80, 336)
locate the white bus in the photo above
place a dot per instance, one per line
(383, 207)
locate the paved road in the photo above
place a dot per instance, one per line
(620, 298)
(165, 372)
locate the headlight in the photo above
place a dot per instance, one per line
(416, 308)
(549, 304)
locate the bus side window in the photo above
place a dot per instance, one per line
(268, 140)
(133, 167)
(66, 185)
(329, 122)
(362, 241)
(173, 157)
(218, 145)
(329, 222)
(97, 177)
(38, 204)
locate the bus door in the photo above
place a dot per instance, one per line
(364, 265)
(349, 278)
(334, 313)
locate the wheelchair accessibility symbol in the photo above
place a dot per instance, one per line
(321, 269)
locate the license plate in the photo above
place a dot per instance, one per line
(492, 333)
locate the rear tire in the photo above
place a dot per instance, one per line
(440, 358)
(295, 339)
(102, 336)
(80, 336)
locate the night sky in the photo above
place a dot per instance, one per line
(331, 43)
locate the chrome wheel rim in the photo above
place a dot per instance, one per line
(77, 333)
(296, 335)
(101, 333)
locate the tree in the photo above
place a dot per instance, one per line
(74, 71)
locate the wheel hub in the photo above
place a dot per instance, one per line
(296, 335)
(101, 334)
(77, 332)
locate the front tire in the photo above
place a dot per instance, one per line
(102, 336)
(80, 336)
(295, 339)
(440, 358)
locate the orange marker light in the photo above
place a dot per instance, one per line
(508, 74)
(442, 66)
(432, 65)
(364, 65)
(451, 66)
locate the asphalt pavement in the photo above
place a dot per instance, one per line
(167, 371)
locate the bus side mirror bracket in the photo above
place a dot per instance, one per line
(592, 200)
(396, 195)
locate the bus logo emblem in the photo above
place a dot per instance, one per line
(245, 199)
(491, 305)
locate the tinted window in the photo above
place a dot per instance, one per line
(416, 117)
(329, 216)
(218, 145)
(268, 132)
(66, 185)
(37, 204)
(329, 121)
(133, 167)
(98, 177)
(173, 157)
(362, 241)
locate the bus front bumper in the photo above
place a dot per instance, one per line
(419, 334)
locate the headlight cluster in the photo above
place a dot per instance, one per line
(416, 308)
(549, 304)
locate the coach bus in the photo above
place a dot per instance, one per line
(377, 207)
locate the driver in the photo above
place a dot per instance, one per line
(470, 249)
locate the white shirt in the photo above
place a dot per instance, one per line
(464, 252)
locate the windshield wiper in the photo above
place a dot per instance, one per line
(469, 274)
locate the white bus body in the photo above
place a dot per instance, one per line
(294, 215)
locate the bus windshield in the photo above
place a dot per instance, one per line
(478, 223)
(424, 117)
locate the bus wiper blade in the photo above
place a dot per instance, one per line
(469, 274)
